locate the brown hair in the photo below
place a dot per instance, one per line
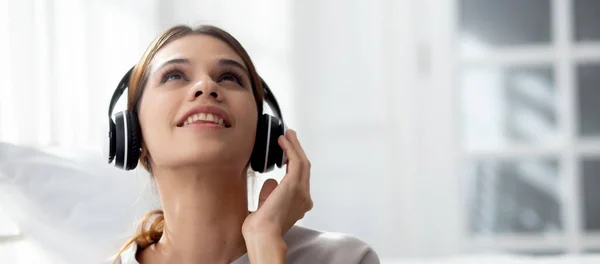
(152, 225)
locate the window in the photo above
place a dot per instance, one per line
(528, 78)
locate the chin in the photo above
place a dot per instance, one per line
(213, 153)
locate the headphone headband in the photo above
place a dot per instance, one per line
(123, 84)
(270, 99)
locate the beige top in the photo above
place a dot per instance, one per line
(306, 246)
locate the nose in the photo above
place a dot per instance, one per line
(204, 87)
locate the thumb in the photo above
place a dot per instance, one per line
(266, 190)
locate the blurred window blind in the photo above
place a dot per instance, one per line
(530, 133)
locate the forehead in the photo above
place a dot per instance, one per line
(197, 48)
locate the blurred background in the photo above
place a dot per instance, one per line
(435, 128)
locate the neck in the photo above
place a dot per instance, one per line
(204, 213)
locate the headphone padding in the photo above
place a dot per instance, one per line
(112, 141)
(120, 139)
(134, 133)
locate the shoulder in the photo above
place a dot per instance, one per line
(307, 245)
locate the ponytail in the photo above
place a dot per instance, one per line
(146, 236)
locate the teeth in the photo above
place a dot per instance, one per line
(204, 117)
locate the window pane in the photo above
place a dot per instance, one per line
(591, 193)
(588, 82)
(508, 105)
(504, 23)
(587, 20)
(514, 196)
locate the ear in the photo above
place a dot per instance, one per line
(266, 190)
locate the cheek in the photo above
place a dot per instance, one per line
(156, 115)
(246, 119)
(249, 117)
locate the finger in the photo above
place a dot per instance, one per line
(293, 138)
(266, 190)
(293, 166)
(289, 149)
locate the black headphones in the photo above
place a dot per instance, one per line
(125, 136)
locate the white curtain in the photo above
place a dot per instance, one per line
(60, 63)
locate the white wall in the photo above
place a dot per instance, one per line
(379, 132)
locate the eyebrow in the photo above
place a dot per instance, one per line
(171, 61)
(221, 62)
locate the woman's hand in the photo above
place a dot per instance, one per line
(280, 207)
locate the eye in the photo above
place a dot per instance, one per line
(173, 75)
(231, 77)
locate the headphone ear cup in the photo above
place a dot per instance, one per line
(127, 140)
(267, 152)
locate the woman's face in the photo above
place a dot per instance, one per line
(198, 108)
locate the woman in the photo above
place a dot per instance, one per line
(200, 163)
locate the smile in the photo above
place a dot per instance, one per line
(204, 118)
(204, 115)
